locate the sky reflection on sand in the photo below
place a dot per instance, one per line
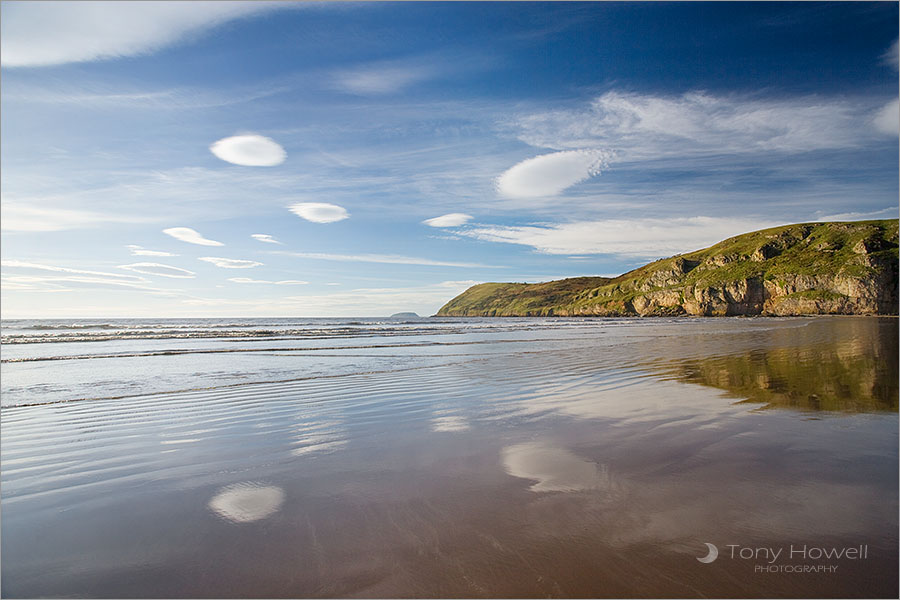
(593, 467)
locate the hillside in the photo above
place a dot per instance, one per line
(808, 268)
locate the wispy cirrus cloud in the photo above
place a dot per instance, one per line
(636, 238)
(99, 95)
(159, 269)
(141, 251)
(69, 275)
(448, 220)
(53, 33)
(21, 264)
(644, 126)
(230, 263)
(19, 216)
(384, 77)
(266, 282)
(391, 259)
(265, 237)
(380, 79)
(249, 150)
(891, 56)
(191, 236)
(887, 120)
(885, 213)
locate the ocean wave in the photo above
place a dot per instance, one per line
(277, 349)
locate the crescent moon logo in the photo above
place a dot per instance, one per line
(713, 554)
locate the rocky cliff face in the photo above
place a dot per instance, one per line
(820, 268)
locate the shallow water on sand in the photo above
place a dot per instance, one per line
(467, 458)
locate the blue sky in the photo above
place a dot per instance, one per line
(324, 159)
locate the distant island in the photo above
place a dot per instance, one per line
(405, 315)
(802, 269)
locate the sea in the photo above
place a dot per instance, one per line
(449, 457)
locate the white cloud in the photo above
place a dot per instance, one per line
(639, 238)
(17, 216)
(361, 302)
(54, 33)
(448, 220)
(32, 284)
(319, 212)
(249, 150)
(264, 237)
(21, 264)
(282, 282)
(230, 263)
(465, 283)
(51, 283)
(892, 55)
(887, 120)
(379, 79)
(550, 174)
(186, 234)
(641, 127)
(884, 213)
(391, 259)
(161, 270)
(140, 251)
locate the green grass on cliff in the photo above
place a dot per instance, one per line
(806, 249)
(513, 299)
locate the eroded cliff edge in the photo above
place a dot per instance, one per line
(803, 269)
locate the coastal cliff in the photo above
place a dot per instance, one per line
(803, 269)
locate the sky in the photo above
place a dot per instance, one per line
(228, 159)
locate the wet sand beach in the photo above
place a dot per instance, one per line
(480, 458)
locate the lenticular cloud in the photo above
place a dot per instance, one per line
(249, 150)
(550, 174)
(159, 269)
(186, 234)
(319, 212)
(450, 220)
(230, 263)
(264, 237)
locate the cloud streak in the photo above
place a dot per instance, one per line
(390, 259)
(379, 79)
(361, 302)
(263, 281)
(634, 238)
(21, 264)
(230, 263)
(642, 126)
(265, 237)
(887, 120)
(186, 234)
(159, 270)
(892, 56)
(37, 34)
(141, 251)
(17, 216)
(50, 283)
